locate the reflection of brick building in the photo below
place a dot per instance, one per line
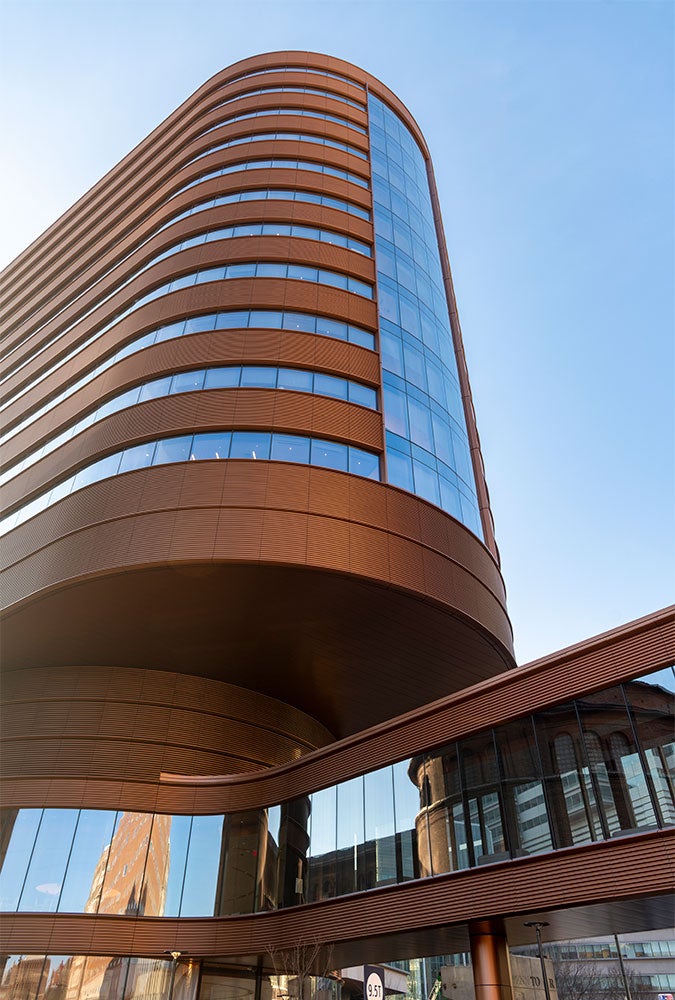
(55, 979)
(22, 979)
(131, 885)
(129, 879)
(246, 520)
(484, 800)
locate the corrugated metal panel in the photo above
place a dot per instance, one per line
(138, 191)
(575, 877)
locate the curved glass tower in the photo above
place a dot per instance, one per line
(236, 363)
(257, 662)
(428, 450)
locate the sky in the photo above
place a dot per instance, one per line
(551, 128)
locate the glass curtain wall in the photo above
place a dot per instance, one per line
(82, 977)
(427, 444)
(592, 769)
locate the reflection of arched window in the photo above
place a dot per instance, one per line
(565, 756)
(473, 768)
(593, 749)
(610, 795)
(619, 747)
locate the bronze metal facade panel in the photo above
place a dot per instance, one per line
(648, 645)
(264, 409)
(240, 293)
(575, 878)
(142, 183)
(135, 523)
(279, 347)
(223, 636)
(81, 278)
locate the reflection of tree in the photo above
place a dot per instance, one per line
(298, 970)
(577, 980)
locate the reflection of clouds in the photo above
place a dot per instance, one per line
(51, 888)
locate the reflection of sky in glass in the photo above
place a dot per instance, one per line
(323, 822)
(47, 866)
(407, 797)
(350, 813)
(17, 857)
(379, 800)
(93, 834)
(175, 863)
(201, 876)
(427, 446)
(274, 822)
(664, 678)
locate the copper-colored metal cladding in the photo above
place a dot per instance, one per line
(354, 584)
(347, 571)
(412, 919)
(194, 637)
(489, 960)
(645, 645)
(68, 724)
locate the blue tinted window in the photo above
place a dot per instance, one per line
(399, 470)
(266, 319)
(260, 377)
(292, 378)
(232, 320)
(426, 482)
(395, 410)
(330, 454)
(250, 444)
(332, 328)
(203, 862)
(187, 382)
(290, 448)
(152, 390)
(173, 450)
(211, 446)
(20, 829)
(364, 463)
(199, 324)
(362, 395)
(416, 341)
(139, 457)
(222, 378)
(93, 473)
(44, 879)
(299, 321)
(329, 385)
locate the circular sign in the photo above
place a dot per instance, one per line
(374, 987)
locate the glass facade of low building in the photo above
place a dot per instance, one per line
(596, 768)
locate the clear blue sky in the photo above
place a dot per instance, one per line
(551, 129)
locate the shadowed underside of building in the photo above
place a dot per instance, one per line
(258, 673)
